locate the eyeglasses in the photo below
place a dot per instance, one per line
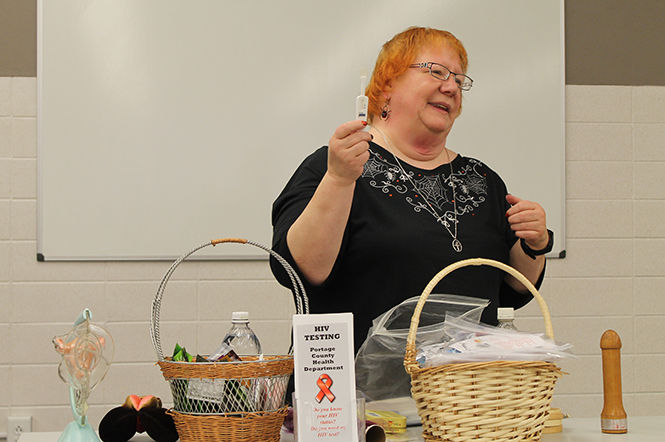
(441, 72)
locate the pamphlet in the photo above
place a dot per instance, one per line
(325, 387)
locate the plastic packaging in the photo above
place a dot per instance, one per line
(473, 342)
(241, 338)
(223, 354)
(390, 421)
(506, 317)
(379, 363)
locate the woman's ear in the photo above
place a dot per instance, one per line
(386, 97)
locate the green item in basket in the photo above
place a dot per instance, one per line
(178, 355)
(207, 395)
(235, 396)
(181, 355)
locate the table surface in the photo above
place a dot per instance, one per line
(640, 429)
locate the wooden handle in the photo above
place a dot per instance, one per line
(214, 242)
(613, 416)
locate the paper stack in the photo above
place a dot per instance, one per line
(553, 424)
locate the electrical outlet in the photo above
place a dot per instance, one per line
(17, 425)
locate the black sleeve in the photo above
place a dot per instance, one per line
(290, 204)
(509, 297)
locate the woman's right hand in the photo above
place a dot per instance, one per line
(348, 151)
(315, 238)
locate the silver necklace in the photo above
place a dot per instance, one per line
(441, 219)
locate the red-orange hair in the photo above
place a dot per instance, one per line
(401, 51)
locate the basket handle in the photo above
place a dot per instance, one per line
(299, 295)
(214, 242)
(410, 356)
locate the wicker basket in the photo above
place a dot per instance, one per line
(485, 401)
(228, 401)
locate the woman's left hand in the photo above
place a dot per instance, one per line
(527, 219)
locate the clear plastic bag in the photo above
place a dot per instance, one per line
(468, 341)
(379, 364)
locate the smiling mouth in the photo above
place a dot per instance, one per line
(443, 107)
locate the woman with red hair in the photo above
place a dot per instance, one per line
(369, 219)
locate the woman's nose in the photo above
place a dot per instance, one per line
(449, 85)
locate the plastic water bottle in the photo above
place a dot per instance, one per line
(506, 316)
(241, 338)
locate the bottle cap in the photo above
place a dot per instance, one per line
(240, 316)
(505, 313)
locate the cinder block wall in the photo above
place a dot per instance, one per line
(614, 274)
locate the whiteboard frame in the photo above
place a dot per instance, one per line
(48, 252)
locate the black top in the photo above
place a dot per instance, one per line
(393, 245)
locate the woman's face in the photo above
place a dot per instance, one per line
(418, 101)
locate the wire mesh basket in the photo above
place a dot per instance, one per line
(485, 401)
(228, 401)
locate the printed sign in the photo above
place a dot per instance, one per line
(325, 385)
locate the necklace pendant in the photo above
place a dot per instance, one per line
(457, 245)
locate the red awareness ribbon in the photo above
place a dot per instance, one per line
(324, 382)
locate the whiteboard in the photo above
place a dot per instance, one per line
(163, 124)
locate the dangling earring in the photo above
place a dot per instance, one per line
(385, 110)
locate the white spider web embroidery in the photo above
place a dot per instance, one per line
(470, 187)
(388, 174)
(433, 190)
(373, 168)
(474, 184)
